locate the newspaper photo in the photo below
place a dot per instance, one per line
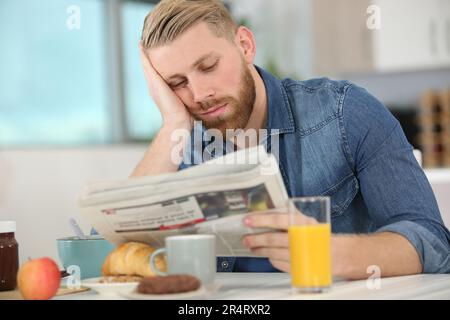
(210, 198)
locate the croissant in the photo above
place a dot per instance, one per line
(132, 258)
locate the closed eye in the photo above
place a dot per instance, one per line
(210, 68)
(178, 85)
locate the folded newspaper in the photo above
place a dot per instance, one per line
(210, 198)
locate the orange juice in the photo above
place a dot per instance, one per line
(310, 255)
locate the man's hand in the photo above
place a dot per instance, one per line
(166, 151)
(351, 255)
(274, 245)
(173, 110)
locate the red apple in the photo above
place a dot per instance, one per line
(38, 279)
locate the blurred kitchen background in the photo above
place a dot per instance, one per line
(74, 106)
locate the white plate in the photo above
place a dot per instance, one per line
(200, 293)
(108, 288)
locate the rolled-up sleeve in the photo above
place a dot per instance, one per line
(395, 189)
(433, 252)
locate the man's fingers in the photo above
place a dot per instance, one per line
(150, 72)
(280, 221)
(273, 253)
(172, 108)
(281, 265)
(276, 239)
(267, 220)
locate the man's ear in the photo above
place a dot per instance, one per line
(245, 41)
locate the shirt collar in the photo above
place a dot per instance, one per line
(279, 113)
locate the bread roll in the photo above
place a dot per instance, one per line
(132, 258)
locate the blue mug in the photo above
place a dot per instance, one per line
(88, 254)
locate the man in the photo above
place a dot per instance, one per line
(334, 139)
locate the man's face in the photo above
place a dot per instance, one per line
(210, 75)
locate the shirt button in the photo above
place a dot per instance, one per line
(225, 264)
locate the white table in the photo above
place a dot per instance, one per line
(274, 286)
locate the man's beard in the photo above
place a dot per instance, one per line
(239, 110)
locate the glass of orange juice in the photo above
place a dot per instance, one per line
(309, 243)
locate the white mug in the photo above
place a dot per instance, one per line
(189, 254)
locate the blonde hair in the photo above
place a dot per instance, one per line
(170, 18)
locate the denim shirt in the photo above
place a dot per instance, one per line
(337, 140)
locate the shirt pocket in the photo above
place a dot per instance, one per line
(342, 194)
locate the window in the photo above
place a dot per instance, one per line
(56, 86)
(52, 79)
(142, 115)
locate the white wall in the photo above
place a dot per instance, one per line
(285, 32)
(440, 182)
(282, 31)
(39, 189)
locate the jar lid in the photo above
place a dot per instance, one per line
(7, 226)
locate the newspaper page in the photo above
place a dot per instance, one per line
(211, 198)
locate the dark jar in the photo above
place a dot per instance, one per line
(9, 256)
